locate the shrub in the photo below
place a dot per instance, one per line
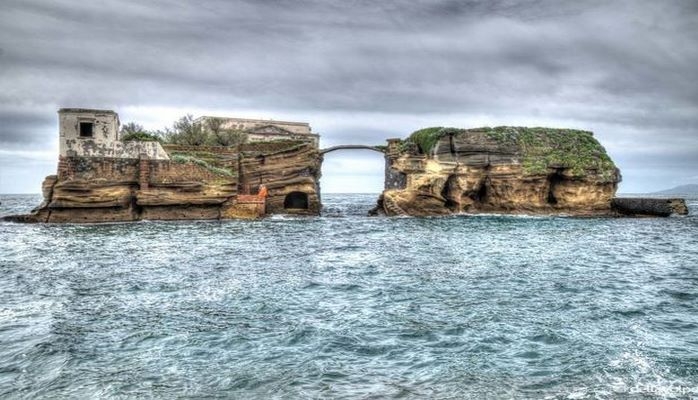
(184, 159)
(540, 149)
(426, 138)
(545, 148)
(140, 137)
(220, 136)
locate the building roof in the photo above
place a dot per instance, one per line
(85, 110)
(261, 121)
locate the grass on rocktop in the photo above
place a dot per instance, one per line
(184, 159)
(540, 148)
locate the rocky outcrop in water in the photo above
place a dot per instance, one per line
(195, 183)
(501, 170)
(650, 207)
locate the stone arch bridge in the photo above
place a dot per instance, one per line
(393, 179)
(380, 149)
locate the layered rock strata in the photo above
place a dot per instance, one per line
(284, 171)
(501, 170)
(195, 183)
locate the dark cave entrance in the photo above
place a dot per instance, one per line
(553, 181)
(296, 200)
(481, 195)
(447, 193)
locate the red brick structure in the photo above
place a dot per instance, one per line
(65, 168)
(144, 172)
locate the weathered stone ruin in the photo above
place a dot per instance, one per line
(102, 179)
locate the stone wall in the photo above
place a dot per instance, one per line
(180, 148)
(129, 170)
(165, 172)
(98, 169)
(83, 147)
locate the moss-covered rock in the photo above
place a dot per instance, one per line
(502, 169)
(426, 138)
(539, 150)
(544, 148)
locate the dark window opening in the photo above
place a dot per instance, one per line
(86, 129)
(296, 200)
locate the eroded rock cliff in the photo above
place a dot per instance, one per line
(195, 183)
(501, 170)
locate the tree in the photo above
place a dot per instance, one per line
(231, 137)
(131, 128)
(166, 135)
(215, 125)
(220, 136)
(189, 132)
(132, 131)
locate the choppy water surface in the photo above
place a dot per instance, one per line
(347, 306)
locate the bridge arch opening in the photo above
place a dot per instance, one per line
(296, 201)
(353, 171)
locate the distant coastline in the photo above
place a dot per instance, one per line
(689, 190)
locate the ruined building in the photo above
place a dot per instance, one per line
(102, 179)
(260, 130)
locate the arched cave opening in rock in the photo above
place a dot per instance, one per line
(296, 200)
(553, 181)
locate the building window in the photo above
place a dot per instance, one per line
(86, 129)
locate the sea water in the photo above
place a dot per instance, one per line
(349, 306)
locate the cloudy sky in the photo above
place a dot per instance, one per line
(359, 72)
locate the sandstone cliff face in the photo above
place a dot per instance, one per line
(506, 169)
(285, 171)
(196, 183)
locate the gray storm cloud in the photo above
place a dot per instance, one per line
(624, 69)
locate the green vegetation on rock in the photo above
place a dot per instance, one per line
(426, 138)
(185, 159)
(541, 149)
(190, 132)
(139, 137)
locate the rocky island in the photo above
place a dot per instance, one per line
(103, 176)
(441, 171)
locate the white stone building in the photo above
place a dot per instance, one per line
(95, 133)
(264, 130)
